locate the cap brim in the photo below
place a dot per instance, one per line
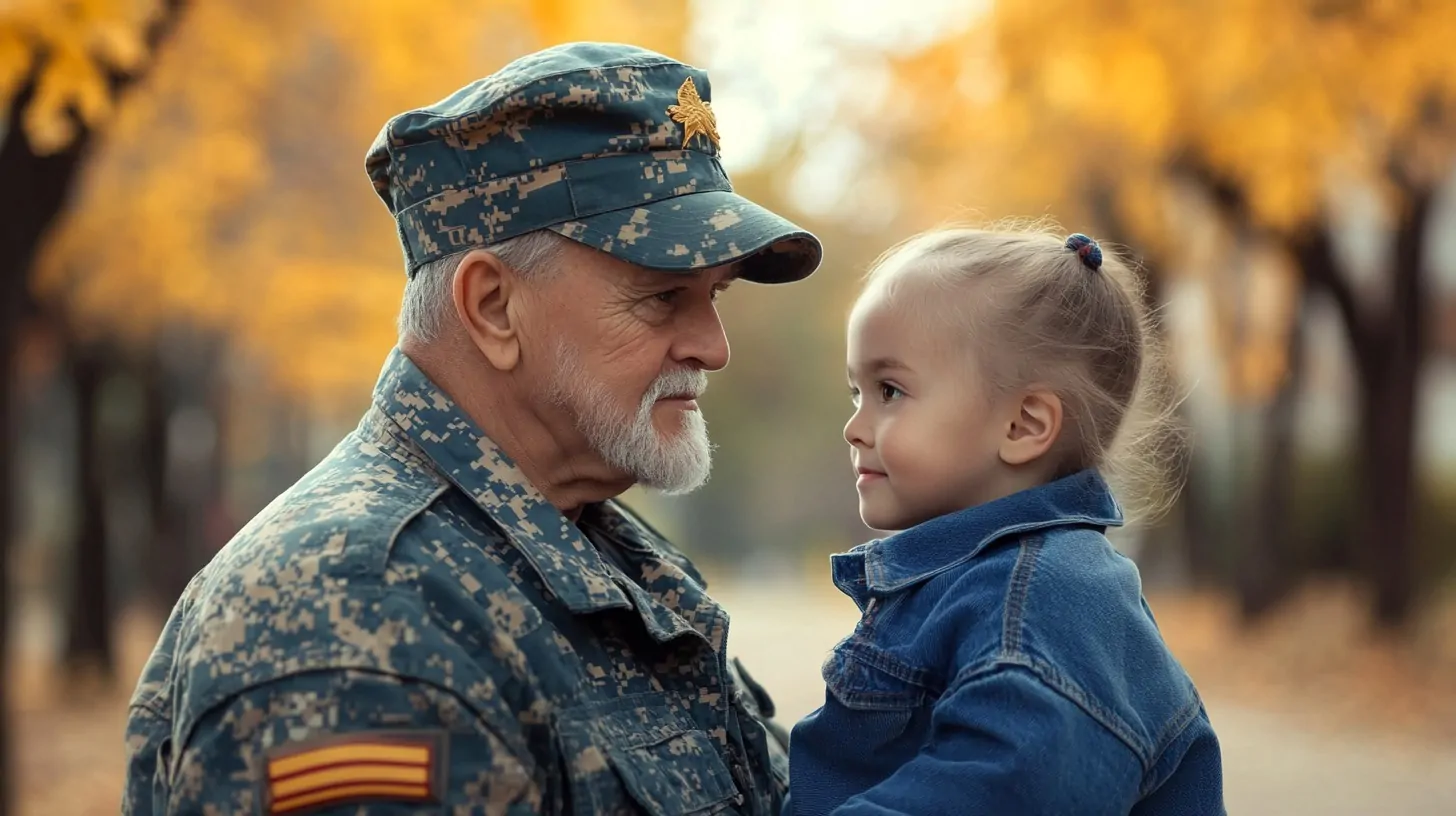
(702, 230)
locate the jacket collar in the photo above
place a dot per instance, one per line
(567, 562)
(914, 555)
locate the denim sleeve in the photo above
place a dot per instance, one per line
(1003, 741)
(339, 741)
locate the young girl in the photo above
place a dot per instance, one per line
(1005, 661)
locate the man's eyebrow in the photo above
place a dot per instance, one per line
(648, 277)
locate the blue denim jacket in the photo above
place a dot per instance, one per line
(1005, 663)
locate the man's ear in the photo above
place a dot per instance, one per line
(487, 294)
(1034, 428)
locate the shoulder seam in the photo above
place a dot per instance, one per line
(1176, 727)
(1063, 686)
(1016, 592)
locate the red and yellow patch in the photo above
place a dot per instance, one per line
(376, 765)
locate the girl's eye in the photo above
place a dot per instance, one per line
(854, 396)
(889, 393)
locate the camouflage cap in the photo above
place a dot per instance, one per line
(611, 145)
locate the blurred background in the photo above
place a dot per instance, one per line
(198, 287)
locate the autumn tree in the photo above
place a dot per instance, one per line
(224, 197)
(232, 190)
(62, 66)
(1265, 116)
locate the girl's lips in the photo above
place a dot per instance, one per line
(867, 475)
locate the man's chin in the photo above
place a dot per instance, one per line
(680, 488)
(679, 470)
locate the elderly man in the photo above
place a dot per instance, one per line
(451, 614)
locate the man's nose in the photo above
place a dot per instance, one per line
(702, 342)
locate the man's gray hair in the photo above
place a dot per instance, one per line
(428, 303)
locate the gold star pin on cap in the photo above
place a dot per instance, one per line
(695, 115)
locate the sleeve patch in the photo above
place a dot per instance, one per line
(395, 766)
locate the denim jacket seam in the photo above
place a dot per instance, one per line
(889, 602)
(1177, 723)
(872, 568)
(1177, 726)
(1064, 687)
(863, 645)
(880, 661)
(1014, 606)
(1013, 653)
(912, 697)
(921, 685)
(886, 699)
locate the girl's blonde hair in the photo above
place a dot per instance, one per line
(1040, 312)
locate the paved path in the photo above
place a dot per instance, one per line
(1270, 767)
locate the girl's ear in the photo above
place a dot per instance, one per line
(1033, 429)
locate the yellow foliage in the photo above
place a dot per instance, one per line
(1086, 110)
(69, 47)
(229, 188)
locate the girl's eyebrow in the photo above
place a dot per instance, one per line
(880, 365)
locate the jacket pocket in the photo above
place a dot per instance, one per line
(641, 754)
(863, 677)
(877, 704)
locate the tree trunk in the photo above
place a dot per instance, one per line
(88, 633)
(1387, 534)
(1388, 350)
(34, 191)
(1389, 386)
(12, 288)
(1266, 571)
(33, 195)
(195, 438)
(167, 573)
(219, 526)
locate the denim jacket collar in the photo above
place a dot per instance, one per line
(912, 556)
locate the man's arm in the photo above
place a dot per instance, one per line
(334, 740)
(764, 709)
(1006, 742)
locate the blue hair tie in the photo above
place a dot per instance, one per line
(1087, 249)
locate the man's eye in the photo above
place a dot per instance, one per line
(670, 296)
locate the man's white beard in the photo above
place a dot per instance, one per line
(676, 462)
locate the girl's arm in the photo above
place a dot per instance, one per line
(1003, 740)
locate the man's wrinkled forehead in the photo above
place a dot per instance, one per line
(646, 276)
